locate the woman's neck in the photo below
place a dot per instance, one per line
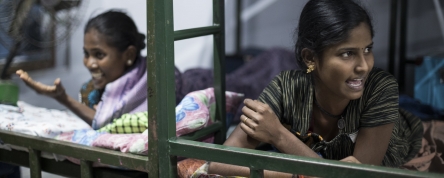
(327, 101)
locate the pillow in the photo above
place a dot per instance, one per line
(195, 111)
(232, 100)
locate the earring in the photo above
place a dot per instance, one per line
(310, 68)
(129, 62)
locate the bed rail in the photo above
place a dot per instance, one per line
(165, 146)
(85, 154)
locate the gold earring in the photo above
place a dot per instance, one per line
(310, 68)
(129, 62)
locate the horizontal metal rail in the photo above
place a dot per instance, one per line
(260, 160)
(81, 152)
(64, 168)
(195, 32)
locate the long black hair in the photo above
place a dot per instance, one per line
(327, 22)
(119, 29)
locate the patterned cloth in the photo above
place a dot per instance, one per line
(128, 123)
(38, 121)
(127, 94)
(291, 94)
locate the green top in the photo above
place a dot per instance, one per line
(291, 95)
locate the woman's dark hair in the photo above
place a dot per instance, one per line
(327, 22)
(119, 29)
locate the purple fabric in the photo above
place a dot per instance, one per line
(250, 79)
(127, 94)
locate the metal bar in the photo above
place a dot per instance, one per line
(161, 89)
(195, 32)
(64, 168)
(392, 42)
(238, 26)
(219, 69)
(203, 132)
(284, 162)
(259, 173)
(86, 169)
(402, 46)
(34, 163)
(101, 155)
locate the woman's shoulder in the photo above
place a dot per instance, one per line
(296, 75)
(379, 80)
(380, 76)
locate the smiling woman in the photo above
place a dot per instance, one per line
(112, 46)
(338, 106)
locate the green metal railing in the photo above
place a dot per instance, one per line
(85, 154)
(164, 146)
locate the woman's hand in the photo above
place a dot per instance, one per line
(54, 91)
(351, 159)
(260, 122)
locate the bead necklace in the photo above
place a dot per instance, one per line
(340, 117)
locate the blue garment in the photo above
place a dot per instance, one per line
(424, 111)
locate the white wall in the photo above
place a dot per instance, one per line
(189, 53)
(272, 27)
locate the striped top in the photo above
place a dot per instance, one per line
(291, 95)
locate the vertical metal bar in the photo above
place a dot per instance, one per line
(161, 90)
(86, 169)
(219, 68)
(259, 173)
(34, 163)
(393, 29)
(238, 26)
(402, 46)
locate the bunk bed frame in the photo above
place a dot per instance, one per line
(164, 146)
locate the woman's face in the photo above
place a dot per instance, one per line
(104, 62)
(345, 66)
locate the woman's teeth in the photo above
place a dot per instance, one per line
(355, 82)
(97, 75)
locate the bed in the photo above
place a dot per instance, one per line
(164, 146)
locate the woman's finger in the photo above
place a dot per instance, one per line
(246, 129)
(250, 113)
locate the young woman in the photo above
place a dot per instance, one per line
(338, 107)
(112, 46)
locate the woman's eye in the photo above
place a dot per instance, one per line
(346, 54)
(100, 55)
(367, 50)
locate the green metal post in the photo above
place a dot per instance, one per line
(161, 88)
(34, 163)
(219, 68)
(86, 169)
(256, 173)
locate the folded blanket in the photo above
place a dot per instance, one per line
(38, 121)
(127, 94)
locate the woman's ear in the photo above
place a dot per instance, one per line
(130, 53)
(308, 56)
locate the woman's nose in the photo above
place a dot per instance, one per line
(90, 63)
(362, 65)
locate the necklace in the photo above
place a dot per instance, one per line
(341, 121)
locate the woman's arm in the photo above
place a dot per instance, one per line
(81, 110)
(240, 139)
(372, 143)
(57, 91)
(259, 123)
